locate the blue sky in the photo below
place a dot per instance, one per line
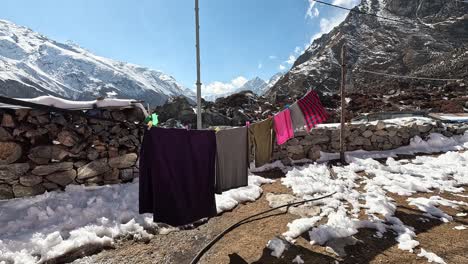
(240, 39)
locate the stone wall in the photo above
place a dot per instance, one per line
(42, 150)
(367, 136)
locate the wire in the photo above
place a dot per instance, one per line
(361, 12)
(408, 77)
(243, 221)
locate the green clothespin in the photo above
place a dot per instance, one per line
(152, 120)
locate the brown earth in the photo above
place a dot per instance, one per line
(246, 244)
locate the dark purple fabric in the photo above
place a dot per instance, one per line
(177, 175)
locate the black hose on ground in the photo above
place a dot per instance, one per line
(222, 234)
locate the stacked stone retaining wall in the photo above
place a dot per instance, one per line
(45, 151)
(374, 136)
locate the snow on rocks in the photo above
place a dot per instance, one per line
(50, 225)
(278, 246)
(298, 260)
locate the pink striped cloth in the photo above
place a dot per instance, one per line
(314, 112)
(283, 126)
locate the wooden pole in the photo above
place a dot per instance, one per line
(343, 104)
(197, 32)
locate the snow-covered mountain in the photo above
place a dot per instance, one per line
(257, 85)
(427, 38)
(32, 65)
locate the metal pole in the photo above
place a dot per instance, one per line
(197, 27)
(343, 104)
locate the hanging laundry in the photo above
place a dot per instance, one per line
(232, 160)
(297, 117)
(261, 140)
(312, 108)
(177, 175)
(283, 126)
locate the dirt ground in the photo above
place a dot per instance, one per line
(247, 243)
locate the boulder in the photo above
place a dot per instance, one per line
(50, 186)
(314, 153)
(381, 133)
(360, 141)
(9, 152)
(13, 171)
(44, 154)
(297, 150)
(367, 134)
(295, 142)
(6, 192)
(111, 175)
(5, 135)
(318, 139)
(51, 168)
(92, 154)
(21, 113)
(124, 161)
(8, 120)
(93, 169)
(30, 180)
(68, 138)
(24, 191)
(424, 128)
(126, 175)
(380, 125)
(62, 178)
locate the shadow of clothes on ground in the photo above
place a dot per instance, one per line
(288, 256)
(372, 246)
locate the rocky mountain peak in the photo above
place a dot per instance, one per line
(32, 65)
(431, 41)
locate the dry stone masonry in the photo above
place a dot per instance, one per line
(372, 136)
(45, 151)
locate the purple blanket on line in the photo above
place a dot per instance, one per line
(177, 175)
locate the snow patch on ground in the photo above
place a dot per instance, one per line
(445, 173)
(431, 257)
(46, 226)
(277, 246)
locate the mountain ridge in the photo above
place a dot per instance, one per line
(32, 65)
(430, 41)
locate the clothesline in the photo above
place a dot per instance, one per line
(408, 77)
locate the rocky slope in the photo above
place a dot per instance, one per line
(430, 41)
(33, 65)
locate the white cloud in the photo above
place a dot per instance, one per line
(310, 11)
(282, 68)
(218, 88)
(272, 57)
(291, 59)
(298, 50)
(346, 3)
(316, 12)
(328, 23)
(260, 65)
(239, 81)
